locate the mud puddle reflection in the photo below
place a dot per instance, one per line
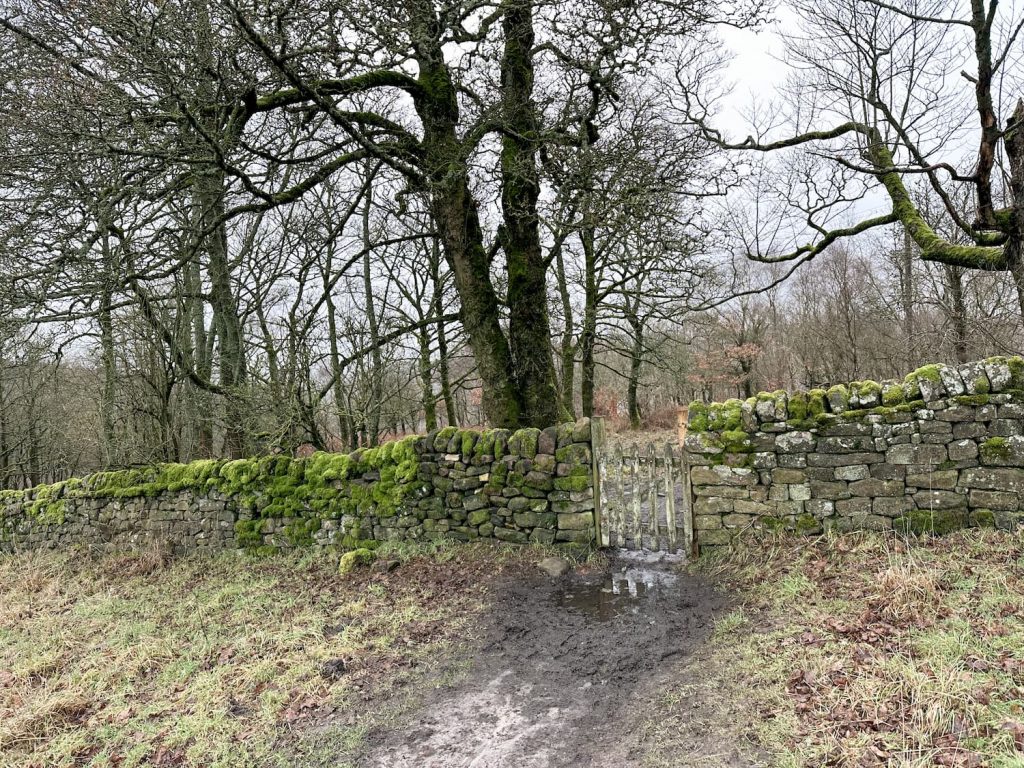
(627, 589)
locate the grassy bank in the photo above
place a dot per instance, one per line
(222, 661)
(864, 650)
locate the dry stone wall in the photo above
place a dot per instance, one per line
(942, 449)
(526, 486)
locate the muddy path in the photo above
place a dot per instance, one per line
(561, 672)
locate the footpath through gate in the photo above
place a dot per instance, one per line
(641, 495)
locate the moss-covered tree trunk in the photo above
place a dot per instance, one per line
(108, 397)
(529, 325)
(588, 334)
(458, 221)
(567, 349)
(1015, 227)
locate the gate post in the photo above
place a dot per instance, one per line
(597, 445)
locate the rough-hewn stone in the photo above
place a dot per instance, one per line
(464, 485)
(958, 460)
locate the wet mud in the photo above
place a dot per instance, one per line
(558, 672)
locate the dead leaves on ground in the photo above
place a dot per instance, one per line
(900, 656)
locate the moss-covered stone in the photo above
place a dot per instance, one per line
(697, 417)
(995, 448)
(443, 437)
(469, 441)
(781, 405)
(893, 395)
(938, 522)
(736, 441)
(928, 373)
(974, 400)
(354, 559)
(484, 445)
(817, 402)
(838, 397)
(869, 393)
(982, 518)
(798, 406)
(523, 442)
(807, 524)
(725, 416)
(1016, 365)
(573, 483)
(249, 533)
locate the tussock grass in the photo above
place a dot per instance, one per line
(221, 660)
(867, 649)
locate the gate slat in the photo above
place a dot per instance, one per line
(670, 497)
(644, 489)
(620, 502)
(652, 463)
(636, 491)
(687, 510)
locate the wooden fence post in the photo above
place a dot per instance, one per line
(689, 534)
(597, 447)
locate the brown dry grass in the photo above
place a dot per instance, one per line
(868, 650)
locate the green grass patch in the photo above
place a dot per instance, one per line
(225, 661)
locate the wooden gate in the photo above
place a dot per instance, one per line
(641, 495)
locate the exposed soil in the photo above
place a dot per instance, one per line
(559, 673)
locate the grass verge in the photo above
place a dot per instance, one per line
(224, 660)
(870, 650)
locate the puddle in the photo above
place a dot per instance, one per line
(622, 592)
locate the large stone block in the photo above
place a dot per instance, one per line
(533, 519)
(941, 479)
(787, 476)
(935, 499)
(843, 459)
(744, 507)
(892, 506)
(846, 429)
(712, 505)
(960, 450)
(996, 500)
(872, 487)
(852, 472)
(924, 453)
(722, 475)
(994, 479)
(510, 535)
(999, 375)
(848, 444)
(721, 491)
(547, 441)
(852, 507)
(714, 538)
(827, 490)
(820, 507)
(957, 413)
(795, 442)
(1006, 427)
(575, 521)
(1003, 451)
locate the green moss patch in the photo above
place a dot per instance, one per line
(937, 522)
(306, 490)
